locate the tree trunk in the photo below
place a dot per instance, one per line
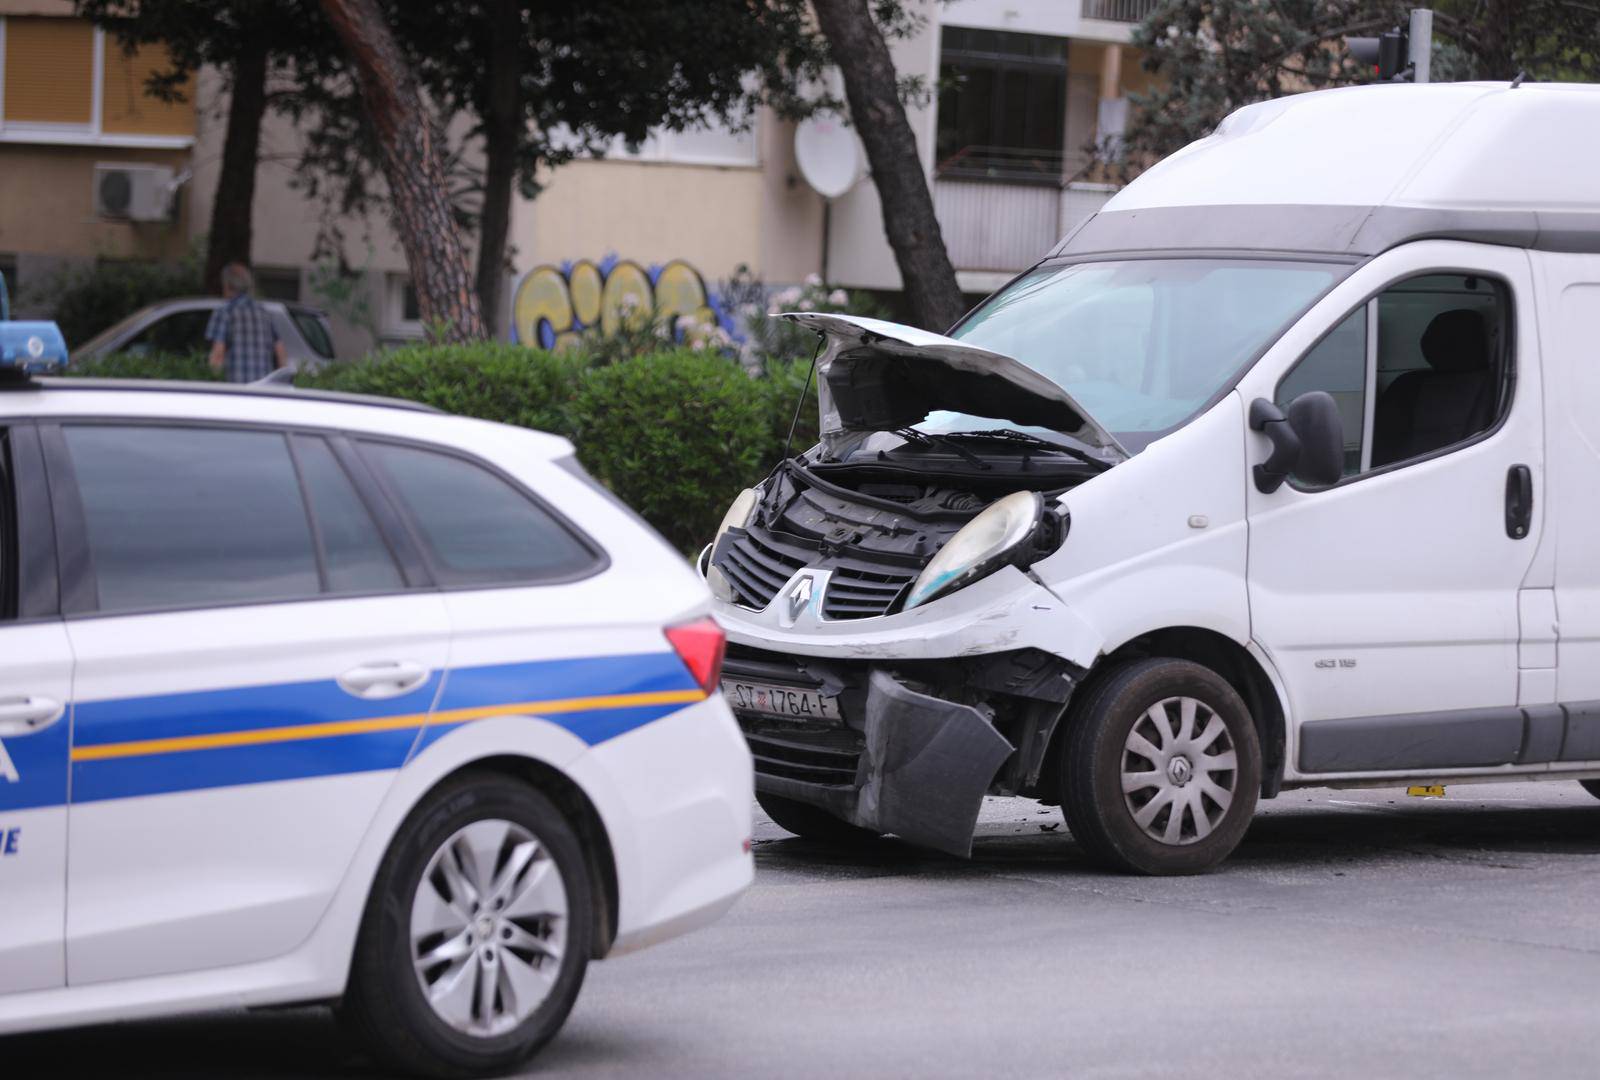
(413, 169)
(908, 219)
(502, 128)
(229, 240)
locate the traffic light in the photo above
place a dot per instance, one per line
(1386, 53)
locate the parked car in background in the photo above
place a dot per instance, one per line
(341, 699)
(178, 327)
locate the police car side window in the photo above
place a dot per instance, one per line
(191, 517)
(354, 555)
(478, 529)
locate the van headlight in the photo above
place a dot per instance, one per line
(989, 541)
(737, 517)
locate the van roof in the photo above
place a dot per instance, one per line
(1360, 169)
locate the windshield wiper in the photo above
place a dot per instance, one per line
(1015, 436)
(922, 438)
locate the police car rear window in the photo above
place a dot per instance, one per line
(478, 528)
(179, 517)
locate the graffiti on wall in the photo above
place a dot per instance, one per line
(555, 305)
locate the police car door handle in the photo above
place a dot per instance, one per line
(384, 679)
(25, 715)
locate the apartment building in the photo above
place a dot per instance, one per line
(85, 153)
(1028, 90)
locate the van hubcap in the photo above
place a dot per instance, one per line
(1179, 769)
(488, 928)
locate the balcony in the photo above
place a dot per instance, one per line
(1119, 11)
(1000, 228)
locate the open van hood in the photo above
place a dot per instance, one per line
(877, 376)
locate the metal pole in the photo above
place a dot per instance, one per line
(1421, 39)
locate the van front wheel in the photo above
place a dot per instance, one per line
(1161, 768)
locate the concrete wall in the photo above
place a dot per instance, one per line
(650, 212)
(47, 217)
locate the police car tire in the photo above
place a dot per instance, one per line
(383, 1005)
(1096, 812)
(812, 822)
(1592, 787)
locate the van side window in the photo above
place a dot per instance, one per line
(477, 528)
(1435, 374)
(1338, 365)
(1443, 361)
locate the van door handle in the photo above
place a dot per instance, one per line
(383, 679)
(26, 715)
(1519, 501)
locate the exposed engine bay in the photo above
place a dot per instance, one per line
(877, 523)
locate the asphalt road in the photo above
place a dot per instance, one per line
(1353, 934)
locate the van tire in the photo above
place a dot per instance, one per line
(1592, 787)
(384, 1004)
(1098, 750)
(812, 822)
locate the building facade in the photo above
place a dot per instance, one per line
(85, 153)
(1028, 96)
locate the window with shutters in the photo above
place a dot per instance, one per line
(49, 71)
(63, 81)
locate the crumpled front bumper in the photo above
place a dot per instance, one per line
(924, 768)
(915, 745)
(941, 704)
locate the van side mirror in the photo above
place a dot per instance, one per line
(1307, 440)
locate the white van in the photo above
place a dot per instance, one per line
(1280, 471)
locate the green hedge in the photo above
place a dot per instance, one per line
(148, 366)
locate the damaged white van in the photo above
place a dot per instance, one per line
(1283, 470)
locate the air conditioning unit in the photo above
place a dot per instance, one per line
(133, 192)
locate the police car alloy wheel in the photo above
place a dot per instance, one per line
(489, 927)
(1160, 768)
(477, 933)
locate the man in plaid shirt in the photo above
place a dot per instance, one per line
(244, 343)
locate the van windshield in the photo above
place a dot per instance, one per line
(1142, 344)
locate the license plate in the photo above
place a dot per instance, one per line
(784, 701)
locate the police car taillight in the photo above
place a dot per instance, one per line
(700, 645)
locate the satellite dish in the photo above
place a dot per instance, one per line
(829, 155)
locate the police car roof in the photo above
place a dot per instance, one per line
(269, 390)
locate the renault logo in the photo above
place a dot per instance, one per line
(799, 596)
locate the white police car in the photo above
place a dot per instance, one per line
(311, 698)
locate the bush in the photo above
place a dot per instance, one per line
(782, 385)
(512, 384)
(89, 300)
(675, 435)
(193, 366)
